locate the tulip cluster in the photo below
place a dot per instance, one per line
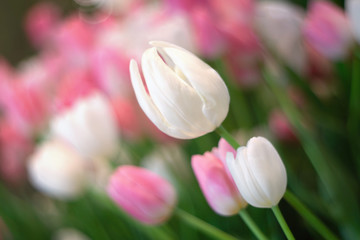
(107, 120)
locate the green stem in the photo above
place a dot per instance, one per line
(354, 109)
(206, 228)
(332, 175)
(227, 136)
(252, 225)
(282, 222)
(100, 227)
(243, 214)
(314, 221)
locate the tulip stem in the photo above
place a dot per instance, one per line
(314, 221)
(227, 136)
(282, 222)
(204, 227)
(252, 225)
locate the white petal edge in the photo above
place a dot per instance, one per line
(148, 105)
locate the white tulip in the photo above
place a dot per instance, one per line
(57, 170)
(279, 24)
(353, 13)
(258, 172)
(186, 98)
(89, 126)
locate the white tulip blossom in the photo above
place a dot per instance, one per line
(353, 13)
(57, 170)
(258, 172)
(184, 97)
(89, 126)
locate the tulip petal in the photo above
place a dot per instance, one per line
(244, 179)
(206, 82)
(218, 188)
(148, 106)
(267, 168)
(179, 103)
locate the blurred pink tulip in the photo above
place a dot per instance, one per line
(25, 105)
(126, 117)
(320, 67)
(74, 85)
(14, 149)
(74, 39)
(218, 26)
(111, 73)
(142, 194)
(215, 180)
(40, 23)
(327, 29)
(207, 36)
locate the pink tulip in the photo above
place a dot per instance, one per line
(208, 38)
(14, 149)
(215, 181)
(111, 73)
(40, 23)
(223, 148)
(74, 85)
(74, 39)
(127, 117)
(25, 105)
(142, 194)
(327, 29)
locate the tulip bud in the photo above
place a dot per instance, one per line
(142, 194)
(327, 29)
(89, 126)
(186, 98)
(57, 170)
(258, 172)
(353, 10)
(218, 188)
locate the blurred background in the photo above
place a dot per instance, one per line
(15, 45)
(292, 69)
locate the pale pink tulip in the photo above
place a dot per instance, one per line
(215, 181)
(142, 194)
(111, 74)
(88, 125)
(327, 29)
